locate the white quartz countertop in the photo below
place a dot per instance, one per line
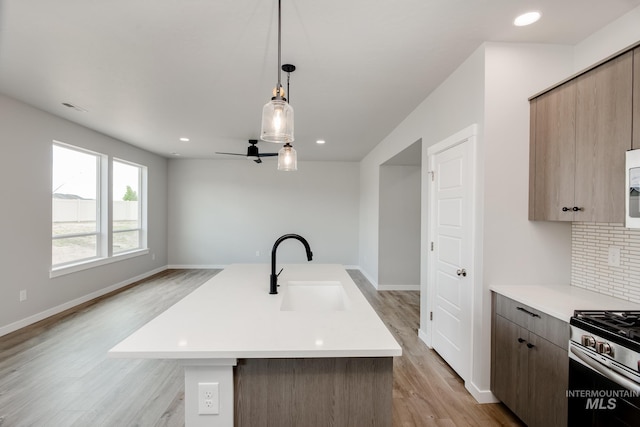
(233, 315)
(561, 301)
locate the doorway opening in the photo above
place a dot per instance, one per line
(399, 220)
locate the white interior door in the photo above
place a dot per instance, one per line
(451, 254)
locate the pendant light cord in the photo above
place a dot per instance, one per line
(279, 49)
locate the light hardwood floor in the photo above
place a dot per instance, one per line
(56, 373)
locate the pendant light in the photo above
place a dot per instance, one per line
(277, 114)
(287, 156)
(287, 159)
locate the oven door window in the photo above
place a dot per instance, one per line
(594, 400)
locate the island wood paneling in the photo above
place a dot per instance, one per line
(56, 372)
(313, 392)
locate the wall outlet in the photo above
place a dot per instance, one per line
(208, 398)
(153, 257)
(257, 253)
(614, 256)
(23, 295)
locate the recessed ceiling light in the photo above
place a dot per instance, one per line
(320, 141)
(527, 19)
(183, 139)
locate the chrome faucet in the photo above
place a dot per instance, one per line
(273, 288)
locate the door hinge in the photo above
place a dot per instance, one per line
(431, 246)
(431, 315)
(433, 175)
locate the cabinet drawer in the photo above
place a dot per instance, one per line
(548, 327)
(518, 313)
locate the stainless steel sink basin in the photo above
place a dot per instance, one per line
(314, 296)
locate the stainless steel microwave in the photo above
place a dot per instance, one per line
(632, 199)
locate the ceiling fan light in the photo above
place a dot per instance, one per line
(287, 159)
(277, 121)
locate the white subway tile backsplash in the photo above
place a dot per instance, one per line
(590, 267)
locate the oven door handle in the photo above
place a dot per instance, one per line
(603, 370)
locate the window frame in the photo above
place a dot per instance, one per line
(100, 160)
(104, 211)
(142, 208)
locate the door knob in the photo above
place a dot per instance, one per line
(462, 272)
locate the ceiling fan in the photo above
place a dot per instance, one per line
(252, 152)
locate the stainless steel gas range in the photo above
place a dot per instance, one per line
(604, 368)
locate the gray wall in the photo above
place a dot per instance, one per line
(224, 211)
(26, 135)
(399, 252)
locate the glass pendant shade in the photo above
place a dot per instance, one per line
(287, 158)
(277, 121)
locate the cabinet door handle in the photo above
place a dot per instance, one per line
(566, 209)
(528, 312)
(521, 340)
(530, 345)
(576, 209)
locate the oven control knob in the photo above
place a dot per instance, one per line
(603, 348)
(588, 341)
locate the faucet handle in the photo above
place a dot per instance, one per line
(280, 272)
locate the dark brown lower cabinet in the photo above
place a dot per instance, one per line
(509, 362)
(529, 373)
(548, 383)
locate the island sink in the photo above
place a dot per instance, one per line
(323, 296)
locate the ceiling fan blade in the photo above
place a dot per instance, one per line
(232, 154)
(267, 154)
(258, 160)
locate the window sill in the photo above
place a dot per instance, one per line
(85, 265)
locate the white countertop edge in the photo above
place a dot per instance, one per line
(257, 354)
(560, 301)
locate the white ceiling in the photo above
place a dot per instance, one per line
(151, 71)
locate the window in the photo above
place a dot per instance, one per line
(88, 229)
(75, 205)
(127, 207)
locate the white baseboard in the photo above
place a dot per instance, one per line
(196, 266)
(369, 278)
(423, 337)
(398, 287)
(12, 327)
(481, 396)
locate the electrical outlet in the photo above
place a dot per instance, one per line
(23, 295)
(153, 257)
(257, 253)
(208, 398)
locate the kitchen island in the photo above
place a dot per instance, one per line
(315, 352)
